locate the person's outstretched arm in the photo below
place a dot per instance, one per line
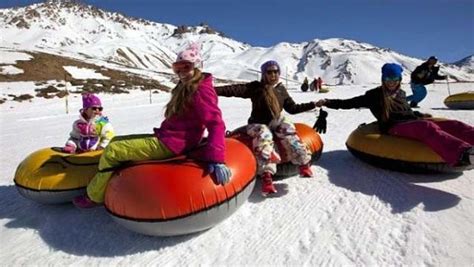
(355, 102)
(289, 104)
(436, 75)
(237, 90)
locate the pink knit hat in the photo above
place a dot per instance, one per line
(90, 100)
(191, 54)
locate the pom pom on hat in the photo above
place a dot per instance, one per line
(90, 100)
(391, 70)
(191, 54)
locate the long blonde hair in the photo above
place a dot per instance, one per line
(388, 102)
(182, 93)
(271, 99)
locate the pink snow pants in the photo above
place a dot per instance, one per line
(448, 138)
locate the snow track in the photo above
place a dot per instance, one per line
(349, 214)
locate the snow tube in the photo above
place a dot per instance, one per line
(460, 101)
(396, 153)
(50, 176)
(166, 198)
(285, 169)
(324, 90)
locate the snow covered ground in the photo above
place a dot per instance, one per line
(349, 214)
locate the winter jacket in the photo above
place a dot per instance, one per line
(372, 100)
(261, 113)
(90, 134)
(182, 133)
(305, 86)
(320, 83)
(424, 75)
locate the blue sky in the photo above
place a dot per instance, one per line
(416, 28)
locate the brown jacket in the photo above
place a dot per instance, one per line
(260, 111)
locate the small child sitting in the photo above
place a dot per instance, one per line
(91, 131)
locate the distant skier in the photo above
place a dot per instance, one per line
(320, 83)
(424, 74)
(313, 86)
(305, 85)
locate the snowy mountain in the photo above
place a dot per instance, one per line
(349, 214)
(466, 63)
(111, 39)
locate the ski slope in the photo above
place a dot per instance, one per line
(349, 214)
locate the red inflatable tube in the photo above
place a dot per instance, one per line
(179, 197)
(308, 136)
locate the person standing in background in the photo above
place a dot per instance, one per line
(423, 75)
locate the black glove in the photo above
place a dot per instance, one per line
(422, 115)
(320, 124)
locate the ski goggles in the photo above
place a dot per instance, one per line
(392, 79)
(272, 72)
(182, 66)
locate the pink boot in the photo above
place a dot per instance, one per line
(69, 149)
(305, 171)
(267, 184)
(84, 202)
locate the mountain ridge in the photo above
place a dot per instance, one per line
(109, 38)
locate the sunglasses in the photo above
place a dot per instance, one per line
(272, 72)
(392, 79)
(182, 66)
(97, 108)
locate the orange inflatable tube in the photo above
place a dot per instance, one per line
(308, 136)
(179, 197)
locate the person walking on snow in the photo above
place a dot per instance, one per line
(320, 83)
(191, 110)
(452, 140)
(313, 86)
(269, 97)
(92, 131)
(423, 75)
(305, 85)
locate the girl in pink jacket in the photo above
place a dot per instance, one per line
(191, 109)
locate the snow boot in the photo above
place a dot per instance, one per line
(467, 157)
(267, 184)
(414, 104)
(305, 171)
(84, 202)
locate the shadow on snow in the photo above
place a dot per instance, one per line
(395, 188)
(94, 233)
(79, 232)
